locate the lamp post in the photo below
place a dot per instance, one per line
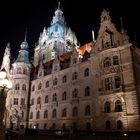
(5, 85)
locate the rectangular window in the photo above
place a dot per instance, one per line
(15, 101)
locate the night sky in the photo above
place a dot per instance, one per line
(82, 16)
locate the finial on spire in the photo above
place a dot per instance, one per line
(8, 44)
(25, 35)
(59, 5)
(122, 27)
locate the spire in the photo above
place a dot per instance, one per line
(24, 44)
(25, 36)
(58, 17)
(93, 36)
(23, 55)
(122, 27)
(6, 59)
(59, 5)
(105, 15)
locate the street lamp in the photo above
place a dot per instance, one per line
(5, 85)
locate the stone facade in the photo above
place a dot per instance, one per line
(89, 87)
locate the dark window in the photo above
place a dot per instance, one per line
(47, 84)
(86, 72)
(74, 76)
(22, 101)
(64, 112)
(107, 107)
(54, 97)
(117, 82)
(54, 113)
(15, 101)
(38, 100)
(39, 86)
(23, 87)
(115, 60)
(64, 96)
(88, 126)
(87, 110)
(33, 88)
(107, 62)
(55, 81)
(64, 79)
(108, 83)
(32, 101)
(75, 93)
(119, 124)
(75, 112)
(118, 106)
(17, 87)
(46, 99)
(108, 125)
(87, 91)
(46, 114)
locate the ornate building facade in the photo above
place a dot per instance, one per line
(91, 87)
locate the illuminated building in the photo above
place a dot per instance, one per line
(94, 86)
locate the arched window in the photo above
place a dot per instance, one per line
(33, 88)
(45, 125)
(64, 96)
(38, 115)
(118, 106)
(46, 114)
(107, 125)
(119, 124)
(87, 110)
(32, 101)
(117, 82)
(17, 87)
(88, 126)
(75, 112)
(38, 100)
(74, 76)
(107, 62)
(39, 86)
(54, 113)
(115, 60)
(75, 93)
(86, 72)
(46, 99)
(107, 107)
(64, 112)
(87, 91)
(55, 81)
(47, 84)
(108, 83)
(64, 79)
(23, 87)
(54, 98)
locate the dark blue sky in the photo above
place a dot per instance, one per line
(82, 16)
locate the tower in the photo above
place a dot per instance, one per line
(17, 98)
(56, 40)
